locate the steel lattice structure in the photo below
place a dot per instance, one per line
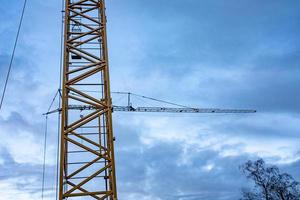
(87, 166)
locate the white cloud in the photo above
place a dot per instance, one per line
(22, 189)
(224, 135)
(23, 147)
(208, 167)
(23, 142)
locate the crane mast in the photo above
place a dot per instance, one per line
(87, 164)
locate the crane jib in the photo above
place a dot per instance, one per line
(164, 109)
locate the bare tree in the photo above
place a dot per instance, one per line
(270, 184)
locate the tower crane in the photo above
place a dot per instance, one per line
(87, 163)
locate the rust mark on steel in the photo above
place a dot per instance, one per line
(87, 164)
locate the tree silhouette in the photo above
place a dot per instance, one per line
(270, 184)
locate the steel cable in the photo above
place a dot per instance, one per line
(44, 156)
(13, 55)
(45, 145)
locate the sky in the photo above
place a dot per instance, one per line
(200, 53)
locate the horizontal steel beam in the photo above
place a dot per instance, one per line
(166, 109)
(159, 109)
(180, 110)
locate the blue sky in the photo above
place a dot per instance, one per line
(202, 53)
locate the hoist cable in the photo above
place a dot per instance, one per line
(13, 54)
(44, 158)
(45, 145)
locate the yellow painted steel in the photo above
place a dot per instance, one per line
(87, 163)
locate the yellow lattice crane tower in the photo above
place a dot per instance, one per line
(87, 163)
(87, 166)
